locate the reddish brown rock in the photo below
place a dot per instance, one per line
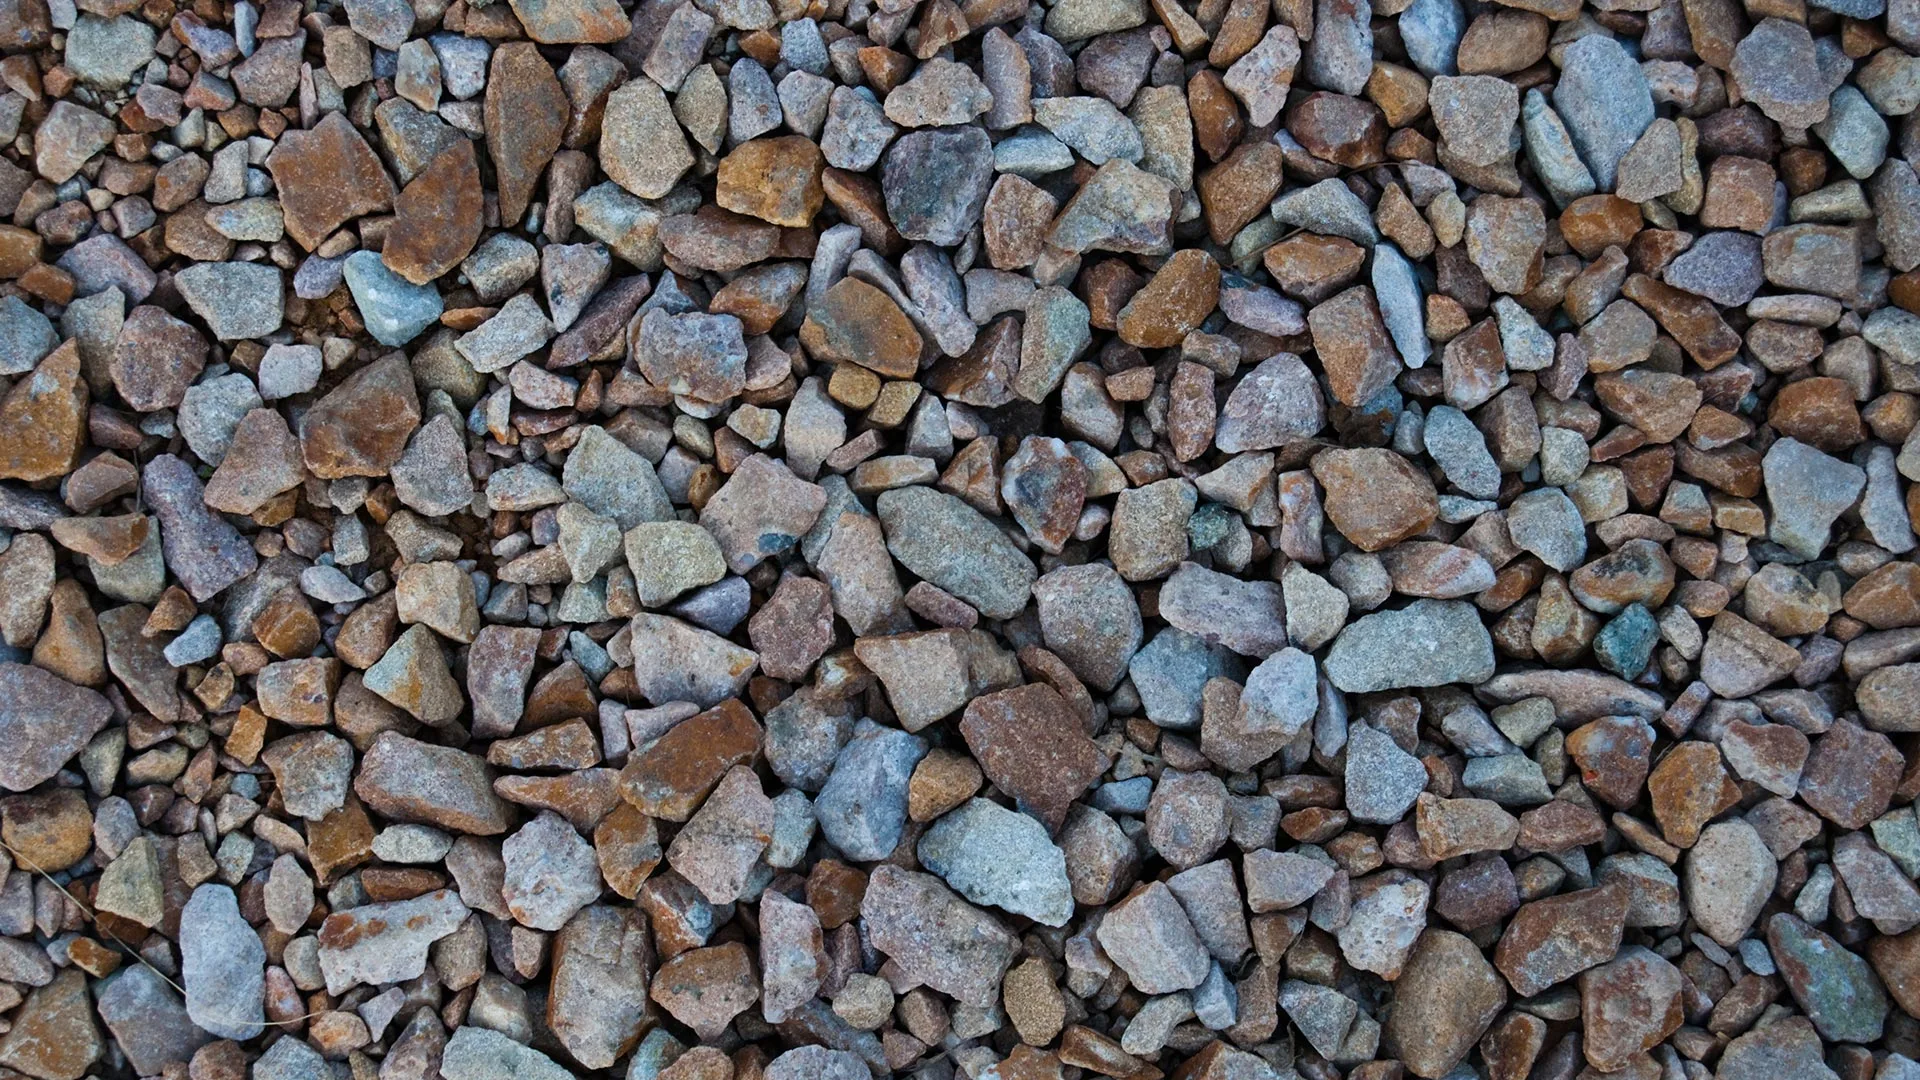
(1552, 940)
(1174, 302)
(1375, 497)
(1688, 788)
(856, 323)
(438, 216)
(670, 778)
(362, 426)
(326, 177)
(45, 416)
(1353, 345)
(1031, 747)
(526, 114)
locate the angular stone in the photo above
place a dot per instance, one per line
(326, 177)
(935, 936)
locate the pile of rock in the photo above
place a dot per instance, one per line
(749, 540)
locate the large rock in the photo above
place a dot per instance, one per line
(1426, 643)
(44, 722)
(222, 965)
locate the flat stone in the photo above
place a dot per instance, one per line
(935, 936)
(326, 177)
(386, 943)
(1428, 643)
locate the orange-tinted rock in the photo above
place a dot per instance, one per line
(565, 22)
(1344, 130)
(856, 323)
(1353, 345)
(1690, 787)
(776, 180)
(1613, 753)
(326, 177)
(670, 778)
(1887, 597)
(1660, 404)
(1375, 497)
(1739, 194)
(1313, 267)
(1180, 295)
(1820, 412)
(361, 427)
(1238, 189)
(1217, 122)
(438, 216)
(1692, 320)
(44, 416)
(1597, 222)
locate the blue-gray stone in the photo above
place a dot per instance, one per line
(1431, 30)
(1002, 858)
(1603, 99)
(1397, 289)
(25, 337)
(1171, 671)
(1625, 644)
(394, 309)
(862, 808)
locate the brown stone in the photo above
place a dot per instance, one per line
(1313, 267)
(1739, 194)
(1819, 412)
(566, 22)
(1375, 497)
(670, 778)
(1030, 746)
(856, 323)
(362, 426)
(1597, 222)
(54, 1036)
(1473, 367)
(1614, 754)
(1887, 597)
(706, 988)
(776, 180)
(327, 176)
(1552, 940)
(1238, 189)
(1660, 404)
(1692, 320)
(1688, 788)
(1851, 775)
(1345, 130)
(1353, 345)
(156, 358)
(44, 416)
(526, 113)
(1180, 295)
(438, 216)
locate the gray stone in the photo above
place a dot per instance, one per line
(394, 309)
(862, 807)
(1382, 780)
(1603, 99)
(1002, 858)
(1427, 643)
(222, 965)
